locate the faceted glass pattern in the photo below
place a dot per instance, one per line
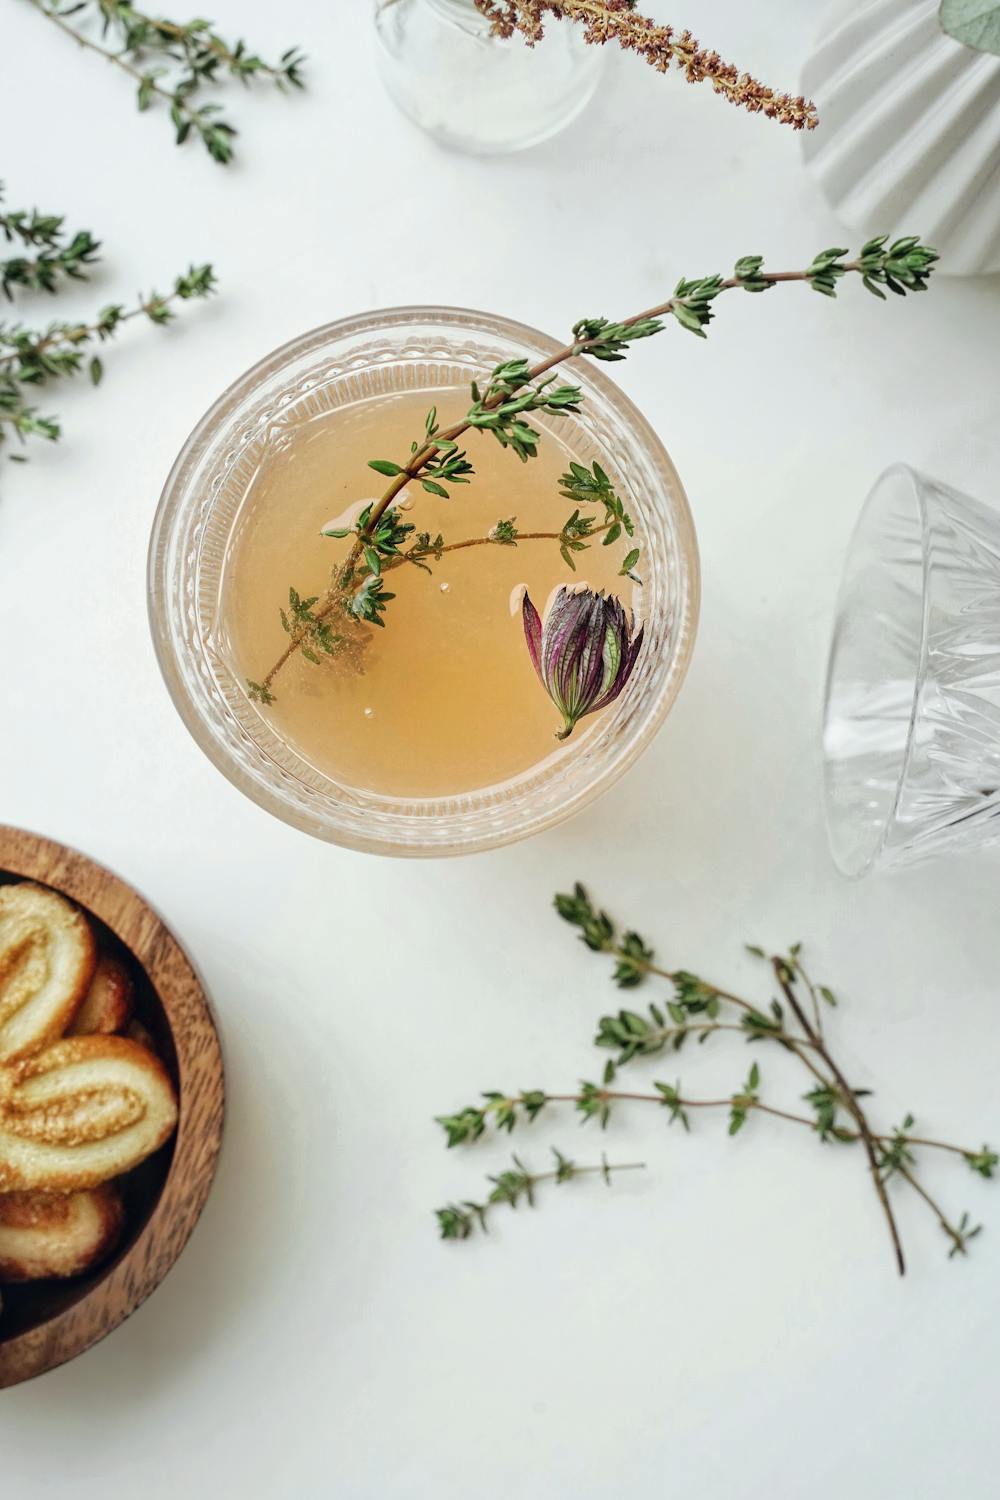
(911, 733)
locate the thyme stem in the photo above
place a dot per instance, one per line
(193, 54)
(605, 1095)
(144, 80)
(30, 358)
(427, 451)
(456, 1221)
(516, 389)
(485, 541)
(608, 1095)
(569, 351)
(954, 1233)
(206, 39)
(81, 333)
(851, 1105)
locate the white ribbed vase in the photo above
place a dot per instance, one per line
(909, 133)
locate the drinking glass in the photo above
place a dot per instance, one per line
(380, 354)
(911, 731)
(477, 92)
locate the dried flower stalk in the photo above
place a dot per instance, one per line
(663, 47)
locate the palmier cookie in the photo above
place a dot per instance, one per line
(107, 1005)
(82, 1111)
(47, 959)
(45, 1235)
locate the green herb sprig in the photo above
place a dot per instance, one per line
(34, 357)
(173, 61)
(516, 1185)
(694, 1009)
(54, 254)
(516, 389)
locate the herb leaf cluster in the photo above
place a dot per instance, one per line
(696, 1009)
(516, 1185)
(30, 356)
(173, 62)
(43, 251)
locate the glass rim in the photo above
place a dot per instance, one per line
(206, 433)
(895, 474)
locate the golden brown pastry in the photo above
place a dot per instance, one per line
(107, 1005)
(81, 1112)
(47, 959)
(57, 1234)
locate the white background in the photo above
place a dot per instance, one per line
(730, 1323)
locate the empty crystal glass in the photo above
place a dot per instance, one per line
(472, 90)
(911, 733)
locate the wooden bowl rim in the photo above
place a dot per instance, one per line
(196, 1148)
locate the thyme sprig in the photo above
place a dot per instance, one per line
(55, 253)
(516, 1185)
(662, 47)
(34, 357)
(596, 1099)
(515, 389)
(696, 1008)
(173, 61)
(300, 617)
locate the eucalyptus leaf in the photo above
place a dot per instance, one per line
(976, 23)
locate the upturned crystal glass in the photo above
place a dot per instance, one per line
(474, 91)
(911, 731)
(381, 353)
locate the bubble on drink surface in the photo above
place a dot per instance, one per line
(445, 588)
(347, 518)
(369, 713)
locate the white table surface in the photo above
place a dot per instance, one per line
(729, 1323)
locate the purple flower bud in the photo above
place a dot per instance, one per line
(583, 653)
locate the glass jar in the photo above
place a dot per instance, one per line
(911, 726)
(382, 353)
(473, 91)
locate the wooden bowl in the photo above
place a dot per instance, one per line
(46, 1323)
